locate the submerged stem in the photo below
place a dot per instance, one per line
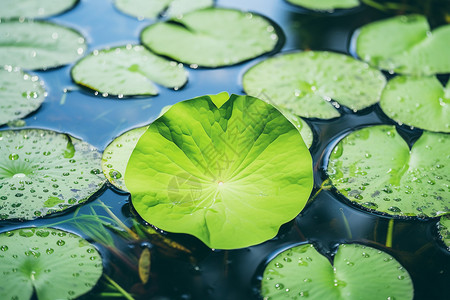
(119, 222)
(389, 233)
(347, 225)
(119, 288)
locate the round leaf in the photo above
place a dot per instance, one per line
(201, 39)
(43, 172)
(152, 9)
(116, 155)
(38, 44)
(127, 71)
(305, 82)
(327, 5)
(444, 230)
(405, 44)
(375, 168)
(52, 263)
(228, 170)
(34, 9)
(20, 94)
(418, 101)
(358, 272)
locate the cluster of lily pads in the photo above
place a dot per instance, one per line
(212, 166)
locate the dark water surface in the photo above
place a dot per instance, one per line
(326, 221)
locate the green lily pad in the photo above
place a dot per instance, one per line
(152, 9)
(357, 272)
(20, 94)
(228, 170)
(444, 230)
(34, 9)
(128, 71)
(116, 155)
(38, 44)
(406, 45)
(418, 101)
(325, 5)
(305, 82)
(302, 127)
(200, 38)
(375, 168)
(42, 172)
(51, 263)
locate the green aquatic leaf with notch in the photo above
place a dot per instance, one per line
(200, 38)
(304, 83)
(229, 170)
(151, 9)
(128, 71)
(325, 5)
(406, 45)
(48, 263)
(356, 272)
(375, 168)
(418, 101)
(42, 172)
(20, 94)
(39, 44)
(34, 9)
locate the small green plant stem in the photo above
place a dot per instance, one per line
(389, 233)
(119, 222)
(119, 288)
(111, 295)
(346, 224)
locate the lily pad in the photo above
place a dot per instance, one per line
(42, 172)
(305, 82)
(418, 101)
(229, 170)
(357, 272)
(20, 94)
(444, 230)
(375, 168)
(38, 44)
(154, 8)
(302, 127)
(34, 9)
(200, 38)
(406, 45)
(116, 155)
(51, 263)
(128, 71)
(325, 5)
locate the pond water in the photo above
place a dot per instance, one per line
(234, 274)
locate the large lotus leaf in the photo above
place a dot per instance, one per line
(128, 71)
(375, 168)
(42, 172)
(20, 94)
(34, 9)
(200, 37)
(405, 45)
(228, 170)
(51, 263)
(358, 272)
(325, 4)
(153, 8)
(444, 230)
(302, 127)
(116, 155)
(305, 82)
(418, 101)
(38, 44)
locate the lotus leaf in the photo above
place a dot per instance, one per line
(34, 9)
(327, 5)
(153, 8)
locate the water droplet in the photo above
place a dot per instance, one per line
(14, 156)
(4, 248)
(279, 286)
(49, 251)
(60, 243)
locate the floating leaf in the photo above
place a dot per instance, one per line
(305, 82)
(20, 94)
(34, 9)
(116, 155)
(418, 101)
(302, 127)
(228, 170)
(357, 272)
(152, 9)
(144, 265)
(39, 44)
(444, 230)
(325, 5)
(200, 37)
(375, 168)
(52, 263)
(405, 44)
(128, 71)
(42, 172)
